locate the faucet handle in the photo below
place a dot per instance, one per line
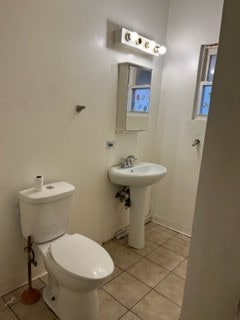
(124, 162)
(130, 160)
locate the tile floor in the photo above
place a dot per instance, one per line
(147, 284)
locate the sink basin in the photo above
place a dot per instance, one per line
(142, 174)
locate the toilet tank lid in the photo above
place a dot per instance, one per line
(49, 193)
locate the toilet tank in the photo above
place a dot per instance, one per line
(45, 214)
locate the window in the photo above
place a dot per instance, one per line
(206, 70)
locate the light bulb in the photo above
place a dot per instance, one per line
(162, 50)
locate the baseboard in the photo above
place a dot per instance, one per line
(123, 232)
(183, 229)
(8, 287)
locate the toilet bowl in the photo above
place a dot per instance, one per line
(77, 267)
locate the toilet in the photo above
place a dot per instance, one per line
(77, 266)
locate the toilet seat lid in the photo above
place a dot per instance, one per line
(82, 256)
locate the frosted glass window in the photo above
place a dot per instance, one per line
(143, 77)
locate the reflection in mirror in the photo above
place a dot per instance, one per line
(134, 91)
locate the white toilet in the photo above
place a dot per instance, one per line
(76, 265)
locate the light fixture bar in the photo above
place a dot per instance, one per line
(136, 41)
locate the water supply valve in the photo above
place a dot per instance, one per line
(124, 196)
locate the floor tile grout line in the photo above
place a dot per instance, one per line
(126, 246)
(132, 275)
(146, 257)
(154, 288)
(139, 280)
(18, 288)
(140, 300)
(10, 307)
(123, 315)
(175, 252)
(159, 245)
(108, 281)
(170, 237)
(131, 309)
(127, 312)
(150, 289)
(167, 298)
(115, 299)
(159, 264)
(168, 274)
(162, 245)
(178, 266)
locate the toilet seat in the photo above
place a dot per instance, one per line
(79, 256)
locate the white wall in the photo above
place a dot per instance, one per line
(191, 23)
(213, 280)
(55, 55)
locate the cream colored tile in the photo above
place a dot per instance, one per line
(152, 225)
(16, 294)
(181, 270)
(165, 258)
(178, 245)
(156, 307)
(115, 273)
(38, 311)
(157, 234)
(2, 302)
(148, 272)
(149, 247)
(183, 237)
(123, 257)
(109, 308)
(172, 287)
(126, 289)
(7, 314)
(129, 316)
(122, 241)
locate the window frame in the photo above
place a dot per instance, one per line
(202, 78)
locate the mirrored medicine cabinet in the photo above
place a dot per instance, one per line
(134, 92)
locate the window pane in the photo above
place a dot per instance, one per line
(143, 77)
(211, 68)
(206, 99)
(140, 100)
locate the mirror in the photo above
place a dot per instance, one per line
(134, 92)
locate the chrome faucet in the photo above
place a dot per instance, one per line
(128, 162)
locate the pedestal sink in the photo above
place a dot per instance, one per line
(138, 178)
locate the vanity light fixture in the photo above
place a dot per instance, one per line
(134, 40)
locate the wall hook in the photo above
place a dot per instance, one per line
(195, 142)
(80, 108)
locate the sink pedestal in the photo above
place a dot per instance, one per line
(138, 178)
(136, 238)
